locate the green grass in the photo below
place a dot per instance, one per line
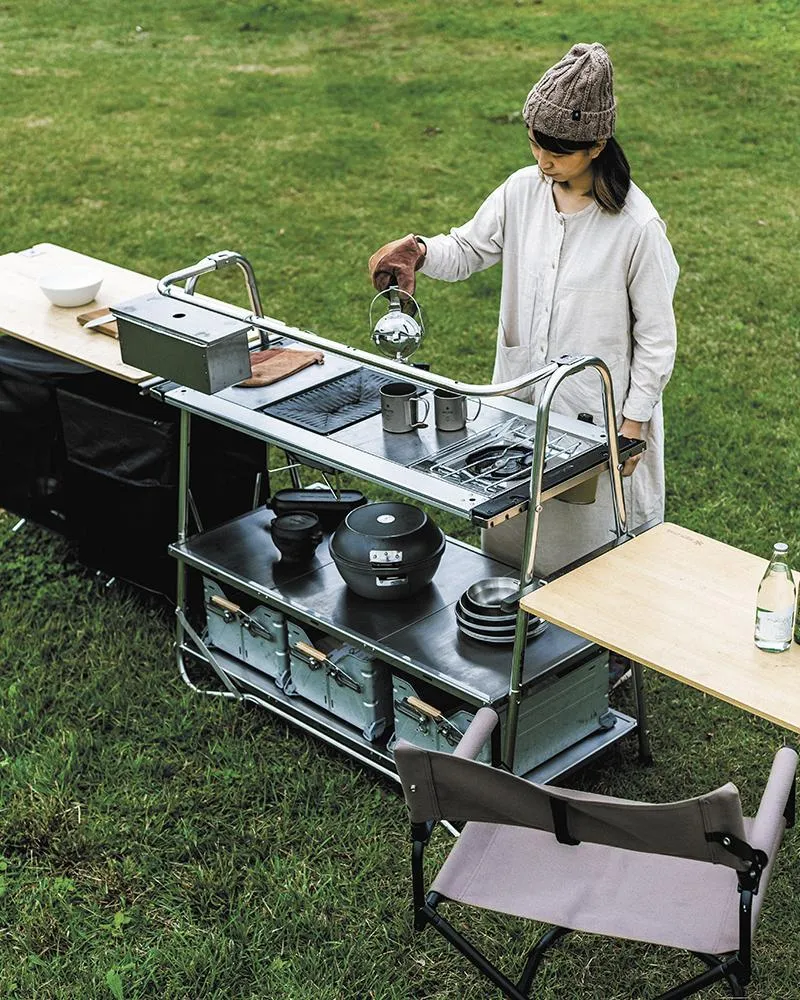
(159, 844)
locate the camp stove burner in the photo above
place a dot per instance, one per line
(499, 461)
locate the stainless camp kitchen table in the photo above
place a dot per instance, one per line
(416, 640)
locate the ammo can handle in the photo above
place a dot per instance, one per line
(425, 708)
(223, 602)
(315, 654)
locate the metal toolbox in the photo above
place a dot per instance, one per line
(342, 679)
(182, 342)
(554, 715)
(257, 637)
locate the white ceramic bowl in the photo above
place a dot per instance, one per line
(71, 286)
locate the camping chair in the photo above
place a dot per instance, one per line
(689, 874)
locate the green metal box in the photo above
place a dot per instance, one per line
(566, 707)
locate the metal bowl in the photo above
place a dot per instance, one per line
(502, 639)
(486, 596)
(492, 629)
(473, 618)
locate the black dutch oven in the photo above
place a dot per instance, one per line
(387, 551)
(296, 535)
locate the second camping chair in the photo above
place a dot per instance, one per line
(690, 874)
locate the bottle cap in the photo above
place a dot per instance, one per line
(780, 547)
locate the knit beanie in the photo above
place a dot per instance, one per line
(574, 100)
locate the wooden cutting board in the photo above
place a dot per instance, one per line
(109, 329)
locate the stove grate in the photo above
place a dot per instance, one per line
(499, 458)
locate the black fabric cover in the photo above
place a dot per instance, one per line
(121, 481)
(122, 478)
(85, 454)
(334, 405)
(32, 458)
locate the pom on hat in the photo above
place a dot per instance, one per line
(574, 100)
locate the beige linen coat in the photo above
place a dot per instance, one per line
(584, 283)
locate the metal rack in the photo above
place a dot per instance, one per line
(427, 647)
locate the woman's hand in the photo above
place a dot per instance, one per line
(631, 429)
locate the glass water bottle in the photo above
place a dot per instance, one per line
(775, 604)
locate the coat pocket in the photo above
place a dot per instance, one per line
(511, 361)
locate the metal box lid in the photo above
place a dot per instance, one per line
(197, 326)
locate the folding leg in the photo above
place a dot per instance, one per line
(642, 732)
(469, 951)
(536, 954)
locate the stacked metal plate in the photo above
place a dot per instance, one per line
(481, 616)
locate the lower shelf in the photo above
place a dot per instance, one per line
(260, 688)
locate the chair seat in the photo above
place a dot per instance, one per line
(662, 900)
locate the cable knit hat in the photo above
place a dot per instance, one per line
(574, 99)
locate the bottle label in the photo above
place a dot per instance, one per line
(775, 626)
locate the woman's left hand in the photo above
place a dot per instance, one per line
(631, 429)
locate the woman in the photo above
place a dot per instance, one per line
(587, 269)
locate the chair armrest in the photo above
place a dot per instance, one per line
(768, 824)
(478, 732)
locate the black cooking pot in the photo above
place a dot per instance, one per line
(387, 551)
(329, 507)
(296, 535)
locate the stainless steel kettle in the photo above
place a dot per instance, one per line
(397, 334)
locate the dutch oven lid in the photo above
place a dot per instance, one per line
(297, 525)
(406, 530)
(386, 520)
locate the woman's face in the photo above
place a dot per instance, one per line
(564, 168)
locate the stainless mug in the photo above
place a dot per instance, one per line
(450, 410)
(400, 406)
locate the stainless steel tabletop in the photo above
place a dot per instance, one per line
(418, 634)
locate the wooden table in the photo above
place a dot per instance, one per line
(683, 604)
(27, 314)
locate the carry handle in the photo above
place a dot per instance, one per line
(424, 708)
(316, 658)
(310, 651)
(225, 604)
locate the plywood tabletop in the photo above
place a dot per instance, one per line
(27, 314)
(683, 604)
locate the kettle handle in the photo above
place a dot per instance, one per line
(396, 291)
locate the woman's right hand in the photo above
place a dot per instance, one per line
(397, 264)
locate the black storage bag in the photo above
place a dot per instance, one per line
(122, 476)
(32, 457)
(121, 480)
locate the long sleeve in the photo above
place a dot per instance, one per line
(472, 247)
(652, 277)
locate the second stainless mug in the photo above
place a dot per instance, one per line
(400, 407)
(450, 410)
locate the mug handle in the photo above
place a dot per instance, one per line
(415, 402)
(475, 414)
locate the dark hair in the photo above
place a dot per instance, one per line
(611, 172)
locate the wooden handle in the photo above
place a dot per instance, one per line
(223, 602)
(424, 707)
(315, 654)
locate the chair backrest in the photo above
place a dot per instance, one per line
(442, 786)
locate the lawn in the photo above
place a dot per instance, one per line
(154, 843)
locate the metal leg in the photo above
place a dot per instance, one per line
(536, 954)
(469, 951)
(643, 733)
(183, 524)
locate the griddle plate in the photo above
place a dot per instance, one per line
(329, 407)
